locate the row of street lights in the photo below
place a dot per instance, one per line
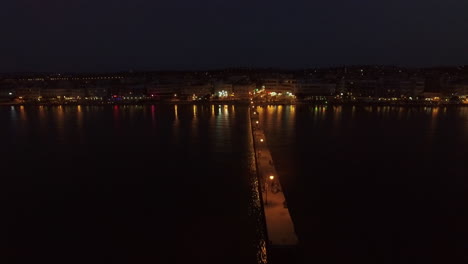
(268, 184)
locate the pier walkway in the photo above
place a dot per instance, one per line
(280, 228)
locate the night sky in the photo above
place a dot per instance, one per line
(121, 35)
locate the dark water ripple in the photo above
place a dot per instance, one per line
(374, 184)
(126, 184)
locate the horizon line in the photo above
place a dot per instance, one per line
(290, 69)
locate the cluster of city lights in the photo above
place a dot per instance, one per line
(222, 93)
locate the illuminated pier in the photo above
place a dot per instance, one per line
(280, 227)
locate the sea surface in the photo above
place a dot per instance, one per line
(374, 184)
(128, 184)
(176, 183)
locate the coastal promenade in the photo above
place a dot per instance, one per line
(280, 228)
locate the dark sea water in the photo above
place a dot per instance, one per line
(127, 184)
(176, 184)
(374, 184)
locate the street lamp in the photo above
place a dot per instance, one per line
(266, 188)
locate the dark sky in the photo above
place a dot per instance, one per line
(115, 35)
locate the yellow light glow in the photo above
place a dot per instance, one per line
(272, 177)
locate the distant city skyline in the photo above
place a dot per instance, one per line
(124, 35)
(318, 69)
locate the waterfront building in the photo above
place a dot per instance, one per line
(97, 91)
(461, 88)
(49, 93)
(278, 86)
(7, 90)
(223, 91)
(163, 91)
(243, 91)
(196, 91)
(362, 88)
(314, 89)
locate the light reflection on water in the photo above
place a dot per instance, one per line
(23, 115)
(116, 117)
(153, 116)
(123, 135)
(60, 119)
(79, 123)
(194, 124)
(13, 115)
(398, 156)
(176, 126)
(465, 119)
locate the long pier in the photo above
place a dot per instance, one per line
(280, 228)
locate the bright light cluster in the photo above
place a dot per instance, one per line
(222, 93)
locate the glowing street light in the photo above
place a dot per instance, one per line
(261, 140)
(266, 187)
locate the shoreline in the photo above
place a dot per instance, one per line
(106, 103)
